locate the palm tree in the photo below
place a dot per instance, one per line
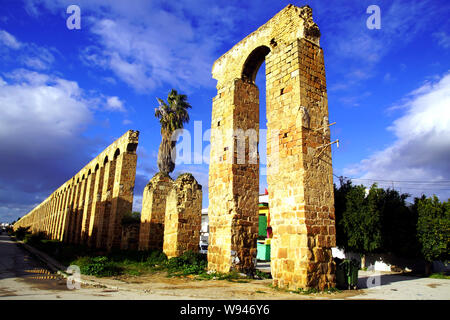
(172, 116)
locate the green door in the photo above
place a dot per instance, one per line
(262, 227)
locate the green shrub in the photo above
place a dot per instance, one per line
(21, 232)
(186, 264)
(155, 258)
(263, 275)
(35, 238)
(98, 266)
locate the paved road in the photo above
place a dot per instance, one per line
(24, 277)
(389, 286)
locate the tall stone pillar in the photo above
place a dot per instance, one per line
(79, 211)
(122, 196)
(151, 232)
(183, 218)
(73, 213)
(298, 152)
(87, 207)
(65, 227)
(58, 212)
(301, 188)
(105, 205)
(61, 215)
(234, 178)
(96, 205)
(54, 209)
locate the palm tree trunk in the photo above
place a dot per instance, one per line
(166, 154)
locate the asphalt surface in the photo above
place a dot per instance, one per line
(24, 277)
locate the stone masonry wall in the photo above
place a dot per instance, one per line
(151, 232)
(130, 236)
(89, 207)
(183, 217)
(299, 166)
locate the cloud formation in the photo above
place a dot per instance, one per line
(42, 119)
(421, 151)
(26, 54)
(147, 44)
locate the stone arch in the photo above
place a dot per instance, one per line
(131, 147)
(105, 161)
(300, 183)
(253, 62)
(116, 153)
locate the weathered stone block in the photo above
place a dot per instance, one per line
(183, 216)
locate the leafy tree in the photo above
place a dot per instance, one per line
(131, 217)
(433, 229)
(340, 204)
(361, 220)
(399, 223)
(172, 116)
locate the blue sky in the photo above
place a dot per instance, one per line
(67, 94)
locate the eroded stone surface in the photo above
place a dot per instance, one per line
(88, 208)
(183, 217)
(151, 234)
(299, 167)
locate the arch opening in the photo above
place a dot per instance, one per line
(253, 63)
(116, 154)
(131, 147)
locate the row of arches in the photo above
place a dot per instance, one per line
(87, 209)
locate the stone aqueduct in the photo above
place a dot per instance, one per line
(88, 208)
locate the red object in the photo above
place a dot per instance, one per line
(265, 191)
(269, 232)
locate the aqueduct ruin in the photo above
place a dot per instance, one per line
(299, 176)
(88, 208)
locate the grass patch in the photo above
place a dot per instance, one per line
(98, 266)
(232, 276)
(134, 263)
(189, 263)
(263, 275)
(440, 275)
(316, 291)
(306, 291)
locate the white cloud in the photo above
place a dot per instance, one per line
(150, 43)
(33, 105)
(38, 58)
(443, 39)
(9, 40)
(26, 54)
(42, 121)
(358, 52)
(114, 104)
(421, 151)
(145, 56)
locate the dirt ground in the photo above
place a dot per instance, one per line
(190, 288)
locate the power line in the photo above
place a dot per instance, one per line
(442, 183)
